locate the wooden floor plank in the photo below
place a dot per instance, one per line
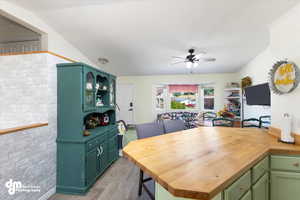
(119, 182)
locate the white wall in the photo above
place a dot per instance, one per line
(284, 43)
(143, 97)
(258, 70)
(56, 43)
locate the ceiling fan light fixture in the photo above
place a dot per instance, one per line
(189, 65)
(195, 64)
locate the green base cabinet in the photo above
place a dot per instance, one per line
(238, 188)
(247, 196)
(162, 194)
(285, 177)
(285, 185)
(260, 190)
(259, 183)
(81, 159)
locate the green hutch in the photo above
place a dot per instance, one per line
(87, 131)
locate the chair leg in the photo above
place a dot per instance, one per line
(141, 182)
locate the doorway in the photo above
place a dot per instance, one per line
(125, 110)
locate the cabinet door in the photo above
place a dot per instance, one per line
(91, 166)
(260, 191)
(285, 185)
(239, 188)
(102, 157)
(89, 90)
(248, 196)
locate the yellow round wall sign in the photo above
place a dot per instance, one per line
(284, 77)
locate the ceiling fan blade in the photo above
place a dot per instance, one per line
(209, 59)
(177, 57)
(175, 63)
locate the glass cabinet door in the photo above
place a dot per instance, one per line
(112, 95)
(89, 91)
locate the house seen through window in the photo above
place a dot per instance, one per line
(183, 96)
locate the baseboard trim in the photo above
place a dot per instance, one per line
(48, 194)
(276, 132)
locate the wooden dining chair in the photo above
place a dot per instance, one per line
(265, 120)
(222, 122)
(145, 131)
(251, 123)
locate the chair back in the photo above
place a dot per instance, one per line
(222, 122)
(173, 125)
(251, 122)
(149, 130)
(265, 121)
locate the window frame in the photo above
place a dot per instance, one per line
(199, 98)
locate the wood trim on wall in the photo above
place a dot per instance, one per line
(276, 132)
(22, 128)
(36, 52)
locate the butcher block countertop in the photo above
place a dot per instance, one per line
(200, 163)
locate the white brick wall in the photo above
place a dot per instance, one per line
(28, 156)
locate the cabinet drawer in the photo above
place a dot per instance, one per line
(287, 163)
(101, 139)
(112, 133)
(91, 144)
(238, 188)
(95, 142)
(248, 196)
(260, 169)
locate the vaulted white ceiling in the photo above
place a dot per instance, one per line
(139, 37)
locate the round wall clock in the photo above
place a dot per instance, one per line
(284, 77)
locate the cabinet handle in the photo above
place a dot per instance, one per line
(241, 189)
(296, 164)
(98, 152)
(101, 150)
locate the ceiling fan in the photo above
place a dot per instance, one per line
(192, 60)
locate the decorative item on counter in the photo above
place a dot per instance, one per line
(104, 120)
(104, 87)
(100, 86)
(246, 82)
(92, 122)
(284, 77)
(97, 86)
(99, 100)
(86, 133)
(286, 130)
(89, 86)
(225, 113)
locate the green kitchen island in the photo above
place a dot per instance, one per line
(217, 163)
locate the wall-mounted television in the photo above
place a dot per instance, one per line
(258, 95)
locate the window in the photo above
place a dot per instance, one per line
(183, 96)
(208, 98)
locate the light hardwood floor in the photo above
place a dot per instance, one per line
(119, 182)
